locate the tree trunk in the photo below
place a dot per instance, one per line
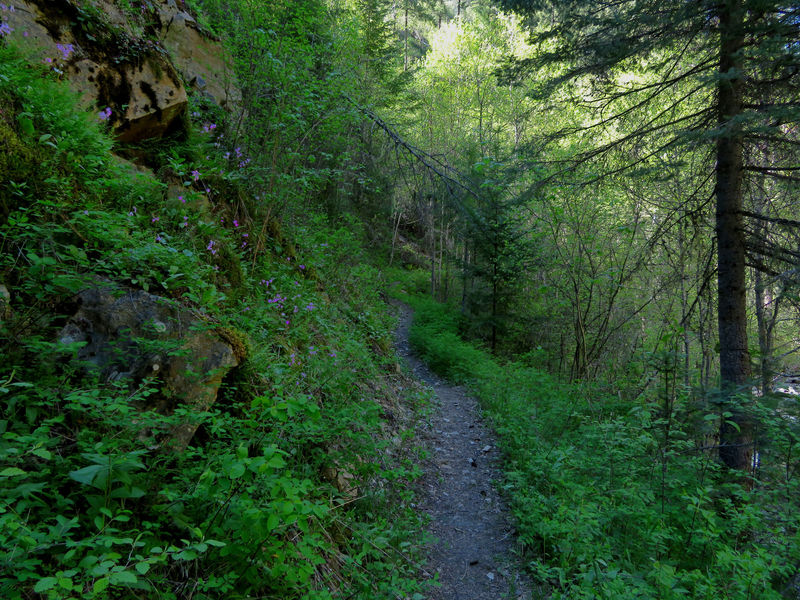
(405, 49)
(684, 303)
(763, 301)
(465, 278)
(736, 439)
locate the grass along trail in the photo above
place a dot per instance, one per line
(472, 553)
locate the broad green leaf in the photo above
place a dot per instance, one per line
(42, 453)
(12, 472)
(100, 585)
(87, 475)
(44, 584)
(142, 567)
(123, 577)
(236, 471)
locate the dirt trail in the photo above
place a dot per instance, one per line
(472, 556)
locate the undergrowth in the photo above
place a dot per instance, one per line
(618, 499)
(294, 485)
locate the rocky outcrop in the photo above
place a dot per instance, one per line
(134, 336)
(130, 67)
(132, 84)
(201, 60)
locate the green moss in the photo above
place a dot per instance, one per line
(230, 268)
(238, 341)
(19, 166)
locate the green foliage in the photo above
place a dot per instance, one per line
(285, 491)
(297, 138)
(607, 506)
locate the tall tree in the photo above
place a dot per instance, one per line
(707, 66)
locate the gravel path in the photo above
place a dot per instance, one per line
(469, 519)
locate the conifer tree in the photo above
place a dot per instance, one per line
(502, 250)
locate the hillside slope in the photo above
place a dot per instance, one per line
(197, 398)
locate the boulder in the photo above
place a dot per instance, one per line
(344, 481)
(132, 335)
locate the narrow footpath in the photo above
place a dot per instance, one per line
(472, 555)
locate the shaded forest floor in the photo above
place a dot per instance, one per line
(474, 537)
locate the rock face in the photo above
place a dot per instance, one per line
(109, 68)
(134, 335)
(201, 60)
(130, 67)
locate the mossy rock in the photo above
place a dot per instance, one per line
(230, 268)
(237, 340)
(19, 163)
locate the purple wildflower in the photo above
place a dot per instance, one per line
(65, 49)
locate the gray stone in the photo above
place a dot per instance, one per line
(131, 335)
